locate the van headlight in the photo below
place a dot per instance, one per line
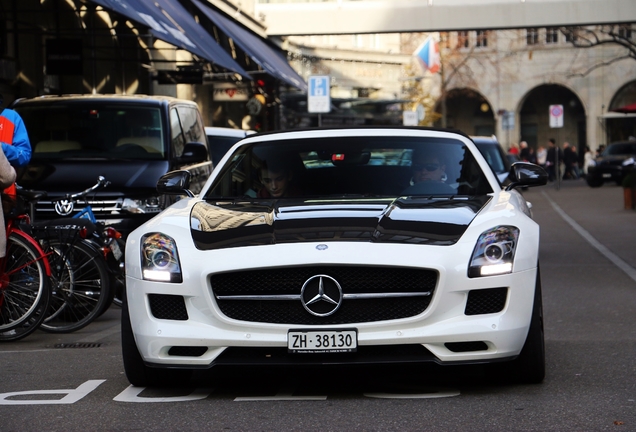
(159, 258)
(494, 252)
(141, 206)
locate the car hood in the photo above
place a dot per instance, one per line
(77, 175)
(613, 159)
(413, 221)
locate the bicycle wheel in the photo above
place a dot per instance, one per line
(81, 288)
(24, 289)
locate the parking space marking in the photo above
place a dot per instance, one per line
(72, 395)
(131, 394)
(615, 259)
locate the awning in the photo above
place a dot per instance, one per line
(617, 115)
(170, 22)
(271, 60)
(631, 108)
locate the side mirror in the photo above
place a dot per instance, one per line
(194, 152)
(526, 174)
(175, 183)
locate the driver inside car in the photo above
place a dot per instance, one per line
(427, 167)
(428, 175)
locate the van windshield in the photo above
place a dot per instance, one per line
(94, 130)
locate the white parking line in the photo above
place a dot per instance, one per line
(615, 259)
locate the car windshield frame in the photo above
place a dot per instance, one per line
(95, 130)
(350, 167)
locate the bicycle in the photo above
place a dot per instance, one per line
(82, 287)
(24, 281)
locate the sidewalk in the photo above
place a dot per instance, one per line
(599, 211)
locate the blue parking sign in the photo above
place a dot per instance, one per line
(318, 97)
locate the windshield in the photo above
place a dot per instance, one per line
(620, 149)
(219, 145)
(495, 157)
(94, 130)
(351, 167)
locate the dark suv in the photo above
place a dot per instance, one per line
(130, 140)
(613, 164)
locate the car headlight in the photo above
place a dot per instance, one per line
(494, 252)
(141, 206)
(159, 258)
(628, 161)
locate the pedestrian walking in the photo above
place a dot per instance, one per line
(570, 162)
(588, 159)
(553, 160)
(542, 156)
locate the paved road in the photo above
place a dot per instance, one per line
(588, 262)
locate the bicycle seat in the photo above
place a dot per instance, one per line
(31, 195)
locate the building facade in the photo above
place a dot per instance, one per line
(504, 82)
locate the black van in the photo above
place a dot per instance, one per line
(130, 140)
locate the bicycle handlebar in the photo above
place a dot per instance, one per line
(101, 181)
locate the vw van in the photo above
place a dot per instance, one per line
(130, 140)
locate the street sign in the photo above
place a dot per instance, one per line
(556, 116)
(318, 96)
(409, 118)
(508, 120)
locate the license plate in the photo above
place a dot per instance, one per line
(607, 175)
(114, 247)
(322, 341)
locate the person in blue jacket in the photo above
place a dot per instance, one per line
(14, 138)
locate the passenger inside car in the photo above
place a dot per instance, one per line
(277, 179)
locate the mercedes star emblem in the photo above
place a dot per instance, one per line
(321, 295)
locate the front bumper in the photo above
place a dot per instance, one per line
(606, 172)
(205, 337)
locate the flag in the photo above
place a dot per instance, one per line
(427, 55)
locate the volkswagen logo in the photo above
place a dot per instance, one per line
(63, 207)
(321, 295)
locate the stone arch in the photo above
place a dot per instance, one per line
(467, 110)
(534, 117)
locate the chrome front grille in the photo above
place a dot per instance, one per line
(101, 206)
(370, 294)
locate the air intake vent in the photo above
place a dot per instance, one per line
(187, 351)
(168, 307)
(466, 346)
(486, 301)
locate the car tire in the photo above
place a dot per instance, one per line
(137, 372)
(529, 366)
(592, 182)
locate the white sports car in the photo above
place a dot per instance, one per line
(338, 246)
